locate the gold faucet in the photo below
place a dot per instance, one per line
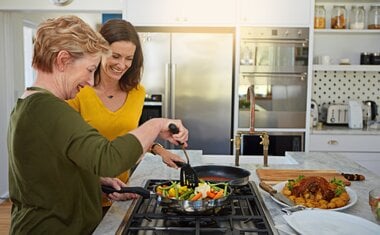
(264, 142)
(263, 135)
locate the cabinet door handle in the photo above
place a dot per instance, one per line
(332, 142)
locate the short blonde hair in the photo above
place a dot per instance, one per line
(69, 33)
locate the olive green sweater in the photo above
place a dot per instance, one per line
(55, 160)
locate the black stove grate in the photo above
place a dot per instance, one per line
(243, 214)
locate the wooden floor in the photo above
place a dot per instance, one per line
(5, 217)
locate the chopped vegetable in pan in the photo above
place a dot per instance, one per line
(205, 190)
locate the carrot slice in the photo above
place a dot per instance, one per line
(196, 197)
(219, 194)
(210, 194)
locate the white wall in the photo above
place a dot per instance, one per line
(12, 15)
(10, 70)
(3, 113)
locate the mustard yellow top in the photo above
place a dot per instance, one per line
(108, 123)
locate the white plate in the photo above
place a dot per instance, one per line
(321, 222)
(351, 193)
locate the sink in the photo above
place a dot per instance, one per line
(249, 159)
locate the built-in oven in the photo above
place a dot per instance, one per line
(152, 108)
(273, 69)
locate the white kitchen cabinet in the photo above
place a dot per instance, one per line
(344, 143)
(295, 13)
(363, 149)
(335, 83)
(181, 12)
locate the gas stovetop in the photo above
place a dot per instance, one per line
(244, 213)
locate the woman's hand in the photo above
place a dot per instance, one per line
(180, 138)
(167, 156)
(117, 184)
(148, 132)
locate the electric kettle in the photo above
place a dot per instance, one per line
(371, 109)
(355, 114)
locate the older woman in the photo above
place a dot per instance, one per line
(114, 104)
(56, 157)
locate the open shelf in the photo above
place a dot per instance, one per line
(347, 31)
(368, 68)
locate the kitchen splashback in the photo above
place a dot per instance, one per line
(338, 87)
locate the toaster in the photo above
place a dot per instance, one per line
(337, 114)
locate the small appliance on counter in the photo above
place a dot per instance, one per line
(314, 113)
(370, 110)
(337, 114)
(355, 114)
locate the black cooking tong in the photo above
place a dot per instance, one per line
(188, 176)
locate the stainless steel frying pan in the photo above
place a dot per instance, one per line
(185, 206)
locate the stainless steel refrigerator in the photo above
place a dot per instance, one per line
(193, 69)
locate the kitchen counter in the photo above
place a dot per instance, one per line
(151, 167)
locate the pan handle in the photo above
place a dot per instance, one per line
(138, 190)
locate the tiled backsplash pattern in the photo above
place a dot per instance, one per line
(338, 87)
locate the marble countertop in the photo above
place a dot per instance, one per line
(151, 167)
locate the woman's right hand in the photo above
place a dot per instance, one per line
(180, 138)
(148, 132)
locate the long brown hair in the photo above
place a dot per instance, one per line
(115, 30)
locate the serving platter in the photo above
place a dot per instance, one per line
(327, 222)
(351, 193)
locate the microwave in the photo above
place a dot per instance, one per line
(279, 143)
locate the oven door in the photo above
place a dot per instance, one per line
(150, 110)
(274, 55)
(279, 100)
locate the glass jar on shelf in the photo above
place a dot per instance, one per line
(374, 17)
(357, 17)
(338, 17)
(319, 17)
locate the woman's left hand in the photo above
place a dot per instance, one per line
(168, 157)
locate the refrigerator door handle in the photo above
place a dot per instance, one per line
(167, 98)
(172, 90)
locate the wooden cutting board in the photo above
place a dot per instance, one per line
(275, 176)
